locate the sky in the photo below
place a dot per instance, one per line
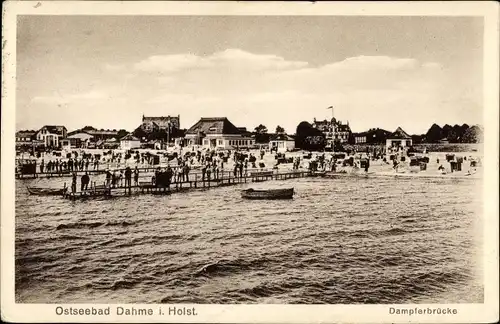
(107, 71)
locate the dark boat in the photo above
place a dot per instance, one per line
(268, 194)
(46, 191)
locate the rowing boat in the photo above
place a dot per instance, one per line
(46, 191)
(268, 194)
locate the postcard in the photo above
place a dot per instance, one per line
(249, 162)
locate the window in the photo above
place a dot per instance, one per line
(221, 142)
(212, 129)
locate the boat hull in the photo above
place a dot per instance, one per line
(46, 191)
(268, 194)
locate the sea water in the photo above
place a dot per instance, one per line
(345, 240)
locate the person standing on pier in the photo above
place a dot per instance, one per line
(168, 174)
(128, 179)
(209, 172)
(85, 181)
(73, 183)
(216, 171)
(87, 163)
(113, 179)
(70, 164)
(120, 178)
(174, 173)
(334, 165)
(180, 173)
(186, 171)
(108, 178)
(203, 171)
(136, 176)
(42, 166)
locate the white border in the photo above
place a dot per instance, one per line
(487, 312)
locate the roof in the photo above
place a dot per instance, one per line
(159, 118)
(25, 133)
(81, 135)
(129, 137)
(54, 129)
(161, 121)
(281, 137)
(102, 132)
(214, 125)
(399, 133)
(372, 132)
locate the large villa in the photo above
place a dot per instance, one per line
(217, 132)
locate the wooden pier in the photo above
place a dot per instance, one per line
(66, 173)
(105, 191)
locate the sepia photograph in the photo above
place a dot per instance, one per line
(191, 159)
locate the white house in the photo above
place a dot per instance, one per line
(129, 142)
(281, 143)
(51, 135)
(80, 139)
(215, 133)
(398, 140)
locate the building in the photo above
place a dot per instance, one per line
(281, 143)
(77, 140)
(100, 134)
(165, 123)
(334, 130)
(110, 143)
(51, 135)
(25, 137)
(372, 136)
(399, 139)
(217, 132)
(129, 142)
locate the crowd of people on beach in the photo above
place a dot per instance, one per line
(211, 164)
(59, 165)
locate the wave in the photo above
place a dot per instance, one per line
(93, 225)
(79, 225)
(228, 267)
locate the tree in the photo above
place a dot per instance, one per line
(434, 134)
(280, 130)
(474, 134)
(121, 133)
(139, 133)
(309, 138)
(261, 129)
(445, 132)
(417, 139)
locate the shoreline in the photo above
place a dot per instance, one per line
(401, 175)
